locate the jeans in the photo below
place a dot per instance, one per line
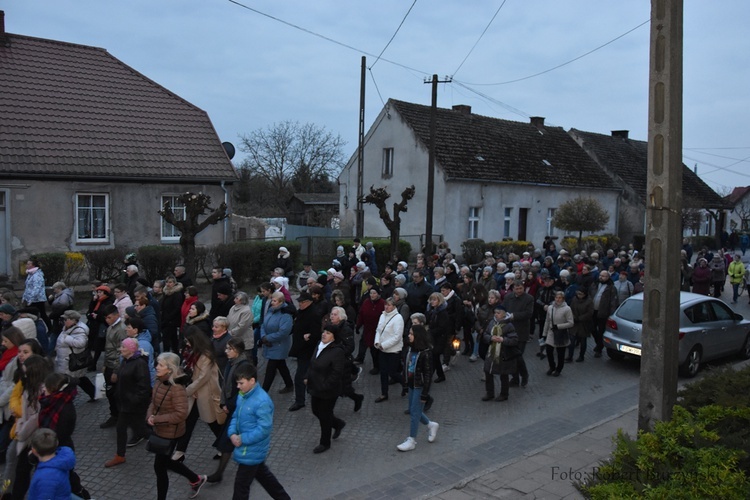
(475, 350)
(489, 384)
(245, 476)
(600, 324)
(299, 380)
(577, 341)
(735, 291)
(416, 413)
(164, 463)
(389, 364)
(560, 357)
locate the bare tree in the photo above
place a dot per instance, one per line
(579, 215)
(378, 198)
(288, 151)
(196, 205)
(742, 209)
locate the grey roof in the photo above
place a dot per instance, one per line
(470, 146)
(318, 198)
(628, 159)
(70, 110)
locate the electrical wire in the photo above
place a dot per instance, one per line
(394, 34)
(565, 63)
(507, 107)
(480, 37)
(376, 86)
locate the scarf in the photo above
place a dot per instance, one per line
(7, 356)
(494, 353)
(52, 405)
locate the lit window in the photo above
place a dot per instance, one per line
(506, 222)
(474, 222)
(387, 162)
(92, 217)
(550, 218)
(168, 231)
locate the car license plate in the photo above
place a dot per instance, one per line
(630, 350)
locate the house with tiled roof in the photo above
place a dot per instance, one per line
(90, 149)
(739, 202)
(625, 161)
(312, 209)
(494, 178)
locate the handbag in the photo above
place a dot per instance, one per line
(157, 444)
(79, 361)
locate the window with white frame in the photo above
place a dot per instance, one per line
(387, 162)
(92, 217)
(506, 222)
(550, 218)
(474, 222)
(168, 231)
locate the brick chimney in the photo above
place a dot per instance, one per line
(622, 134)
(464, 109)
(537, 121)
(4, 39)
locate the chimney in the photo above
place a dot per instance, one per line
(537, 121)
(622, 134)
(464, 109)
(3, 37)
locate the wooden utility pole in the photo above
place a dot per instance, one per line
(428, 244)
(658, 385)
(361, 153)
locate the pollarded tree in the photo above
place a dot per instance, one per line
(378, 198)
(196, 205)
(579, 215)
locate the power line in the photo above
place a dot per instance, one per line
(376, 85)
(394, 34)
(565, 63)
(480, 37)
(508, 107)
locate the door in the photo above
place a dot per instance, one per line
(523, 217)
(4, 233)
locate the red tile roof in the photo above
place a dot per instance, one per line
(737, 194)
(70, 110)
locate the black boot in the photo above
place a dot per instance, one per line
(217, 476)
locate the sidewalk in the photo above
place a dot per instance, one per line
(548, 472)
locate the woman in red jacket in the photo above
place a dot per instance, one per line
(367, 318)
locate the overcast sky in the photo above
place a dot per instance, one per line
(248, 70)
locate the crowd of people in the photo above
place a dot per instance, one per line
(168, 360)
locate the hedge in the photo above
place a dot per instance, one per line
(382, 250)
(105, 265)
(158, 261)
(472, 250)
(253, 260)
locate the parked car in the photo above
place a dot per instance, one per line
(709, 329)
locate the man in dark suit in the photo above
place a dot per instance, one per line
(520, 307)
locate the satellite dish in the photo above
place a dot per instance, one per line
(229, 148)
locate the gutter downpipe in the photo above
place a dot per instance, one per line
(226, 202)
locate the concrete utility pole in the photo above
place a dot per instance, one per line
(361, 153)
(428, 243)
(658, 387)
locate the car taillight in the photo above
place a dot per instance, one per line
(612, 324)
(682, 334)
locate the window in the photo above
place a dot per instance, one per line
(92, 217)
(506, 222)
(387, 162)
(168, 231)
(550, 217)
(474, 222)
(707, 225)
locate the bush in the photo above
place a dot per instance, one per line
(382, 250)
(75, 268)
(105, 265)
(53, 266)
(503, 248)
(699, 242)
(724, 387)
(681, 458)
(472, 250)
(253, 260)
(157, 261)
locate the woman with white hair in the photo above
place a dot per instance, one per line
(61, 299)
(240, 318)
(73, 340)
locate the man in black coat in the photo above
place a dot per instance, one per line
(217, 275)
(520, 307)
(305, 338)
(419, 291)
(604, 295)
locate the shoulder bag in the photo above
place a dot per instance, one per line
(159, 445)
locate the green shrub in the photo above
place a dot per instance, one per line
(253, 260)
(105, 265)
(724, 387)
(157, 261)
(472, 250)
(699, 242)
(681, 458)
(505, 247)
(53, 266)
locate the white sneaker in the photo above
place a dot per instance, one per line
(432, 429)
(446, 368)
(473, 358)
(407, 445)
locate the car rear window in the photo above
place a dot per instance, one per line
(631, 310)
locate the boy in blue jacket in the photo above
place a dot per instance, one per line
(52, 477)
(250, 433)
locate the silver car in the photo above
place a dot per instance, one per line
(709, 329)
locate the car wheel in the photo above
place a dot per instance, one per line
(616, 355)
(692, 364)
(745, 352)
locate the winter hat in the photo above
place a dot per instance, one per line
(361, 266)
(7, 309)
(226, 289)
(130, 344)
(283, 252)
(402, 293)
(403, 264)
(339, 275)
(304, 296)
(400, 278)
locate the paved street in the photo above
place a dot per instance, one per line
(475, 438)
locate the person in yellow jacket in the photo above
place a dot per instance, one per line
(736, 275)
